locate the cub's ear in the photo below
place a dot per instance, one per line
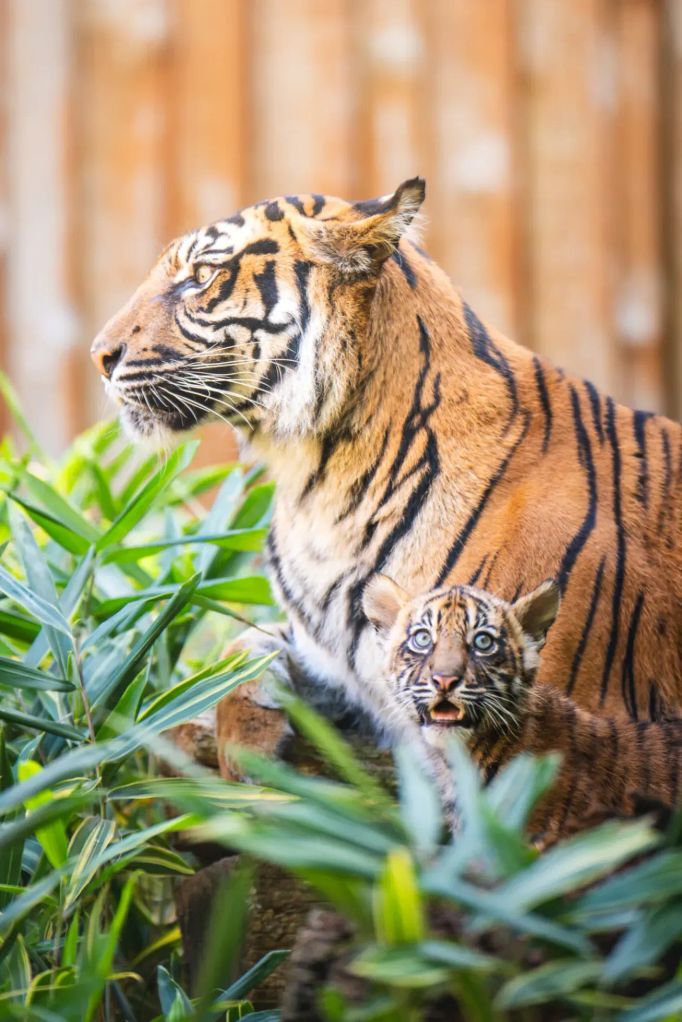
(536, 611)
(362, 241)
(382, 600)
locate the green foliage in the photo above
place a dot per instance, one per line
(118, 591)
(589, 929)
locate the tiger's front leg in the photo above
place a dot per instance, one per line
(250, 717)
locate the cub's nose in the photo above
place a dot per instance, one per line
(107, 356)
(446, 682)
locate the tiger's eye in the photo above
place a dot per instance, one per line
(484, 642)
(420, 640)
(203, 273)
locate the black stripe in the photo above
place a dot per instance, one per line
(585, 458)
(273, 211)
(429, 468)
(595, 405)
(472, 521)
(266, 282)
(484, 348)
(489, 573)
(544, 401)
(621, 550)
(587, 627)
(664, 509)
(654, 701)
(416, 421)
(360, 487)
(293, 602)
(477, 574)
(318, 204)
(401, 259)
(642, 730)
(639, 420)
(573, 765)
(294, 201)
(628, 687)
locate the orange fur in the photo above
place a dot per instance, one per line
(608, 765)
(406, 437)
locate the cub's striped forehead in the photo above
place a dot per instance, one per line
(459, 607)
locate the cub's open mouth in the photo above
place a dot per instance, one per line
(449, 713)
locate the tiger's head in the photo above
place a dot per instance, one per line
(460, 657)
(255, 319)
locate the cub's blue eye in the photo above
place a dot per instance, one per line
(484, 642)
(420, 640)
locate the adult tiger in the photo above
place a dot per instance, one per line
(407, 438)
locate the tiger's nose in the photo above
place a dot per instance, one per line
(446, 682)
(107, 356)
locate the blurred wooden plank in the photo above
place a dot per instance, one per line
(208, 136)
(208, 112)
(671, 182)
(122, 93)
(639, 294)
(567, 72)
(40, 311)
(300, 85)
(471, 188)
(389, 122)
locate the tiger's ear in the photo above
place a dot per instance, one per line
(382, 601)
(361, 245)
(537, 611)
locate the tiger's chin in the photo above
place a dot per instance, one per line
(157, 431)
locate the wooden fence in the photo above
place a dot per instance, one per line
(549, 131)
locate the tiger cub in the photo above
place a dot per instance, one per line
(460, 658)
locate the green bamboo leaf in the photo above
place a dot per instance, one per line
(159, 861)
(233, 590)
(70, 599)
(55, 529)
(41, 583)
(398, 912)
(10, 854)
(249, 540)
(52, 835)
(665, 1003)
(18, 627)
(557, 979)
(175, 1004)
(17, 675)
(333, 748)
(256, 505)
(88, 861)
(420, 806)
(145, 498)
(121, 678)
(254, 976)
(645, 942)
(60, 509)
(656, 879)
(45, 724)
(577, 862)
(35, 605)
(12, 400)
(404, 968)
(202, 696)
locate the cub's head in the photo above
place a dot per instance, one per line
(460, 657)
(255, 319)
